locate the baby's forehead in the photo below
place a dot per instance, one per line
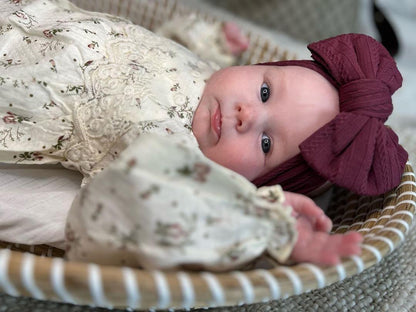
(252, 69)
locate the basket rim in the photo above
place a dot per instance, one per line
(53, 278)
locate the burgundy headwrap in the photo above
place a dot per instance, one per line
(355, 150)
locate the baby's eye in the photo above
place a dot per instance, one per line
(266, 143)
(264, 92)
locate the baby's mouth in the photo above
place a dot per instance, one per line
(216, 122)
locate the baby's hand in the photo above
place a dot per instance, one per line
(306, 207)
(314, 243)
(237, 42)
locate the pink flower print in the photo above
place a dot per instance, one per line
(71, 238)
(53, 65)
(59, 144)
(169, 131)
(234, 253)
(175, 230)
(70, 235)
(86, 64)
(93, 45)
(175, 87)
(9, 62)
(48, 33)
(201, 171)
(37, 156)
(261, 212)
(10, 118)
(21, 14)
(24, 18)
(131, 163)
(25, 156)
(174, 234)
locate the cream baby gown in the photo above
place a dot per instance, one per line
(115, 102)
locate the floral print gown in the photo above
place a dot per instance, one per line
(114, 101)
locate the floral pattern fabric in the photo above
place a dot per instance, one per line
(78, 88)
(176, 209)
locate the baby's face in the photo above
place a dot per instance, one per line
(252, 118)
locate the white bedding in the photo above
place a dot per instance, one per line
(34, 201)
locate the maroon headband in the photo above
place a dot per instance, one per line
(355, 150)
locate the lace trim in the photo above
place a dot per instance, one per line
(144, 84)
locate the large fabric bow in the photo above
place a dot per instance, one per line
(355, 150)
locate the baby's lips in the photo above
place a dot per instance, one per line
(216, 122)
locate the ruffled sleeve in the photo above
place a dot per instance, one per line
(162, 204)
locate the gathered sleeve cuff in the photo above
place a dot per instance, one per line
(163, 204)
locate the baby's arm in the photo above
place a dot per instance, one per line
(221, 43)
(315, 244)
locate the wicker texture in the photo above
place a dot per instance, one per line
(384, 221)
(310, 20)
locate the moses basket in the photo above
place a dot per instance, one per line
(40, 272)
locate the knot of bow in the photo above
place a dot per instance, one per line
(356, 150)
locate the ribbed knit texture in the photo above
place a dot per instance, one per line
(355, 150)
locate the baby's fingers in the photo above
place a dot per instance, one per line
(341, 245)
(306, 207)
(350, 244)
(323, 223)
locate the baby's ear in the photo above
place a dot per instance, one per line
(237, 42)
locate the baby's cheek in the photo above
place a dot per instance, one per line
(248, 168)
(232, 161)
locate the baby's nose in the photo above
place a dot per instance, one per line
(245, 117)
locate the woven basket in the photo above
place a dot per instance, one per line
(40, 272)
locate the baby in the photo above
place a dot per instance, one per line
(338, 102)
(94, 85)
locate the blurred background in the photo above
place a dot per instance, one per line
(392, 22)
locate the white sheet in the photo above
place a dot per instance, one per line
(34, 201)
